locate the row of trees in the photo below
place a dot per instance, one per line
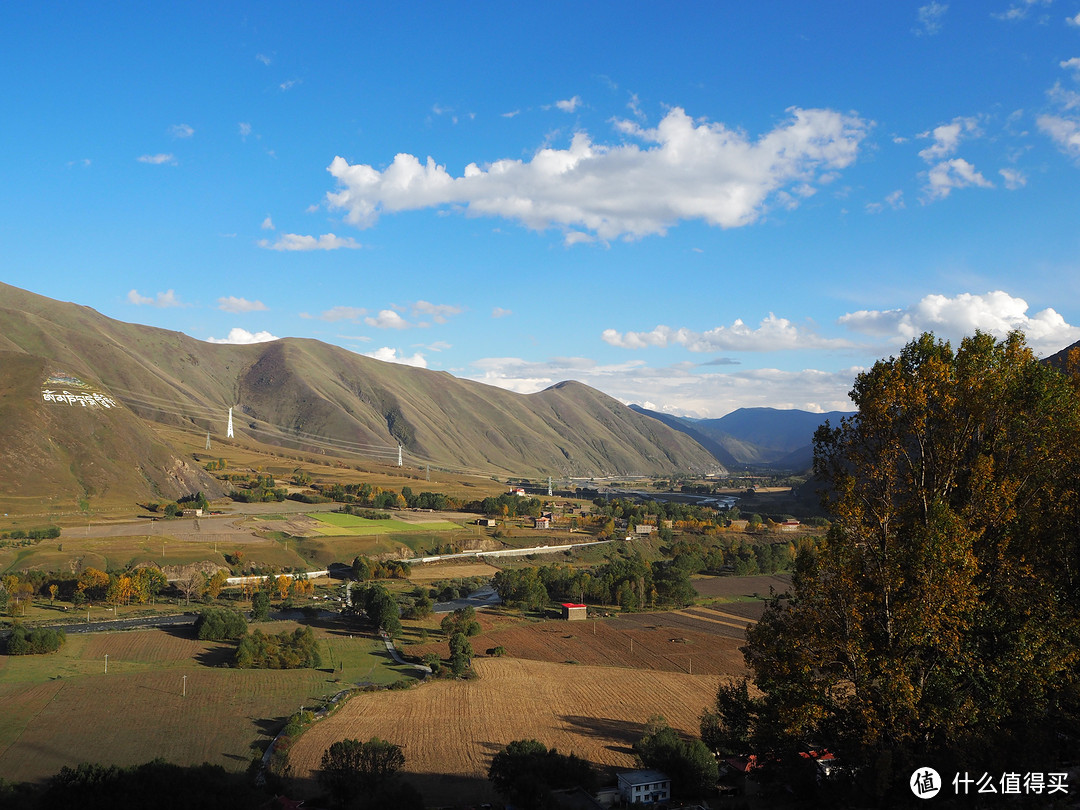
(282, 650)
(34, 641)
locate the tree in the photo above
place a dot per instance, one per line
(941, 614)
(260, 606)
(526, 771)
(351, 768)
(690, 764)
(728, 727)
(191, 583)
(219, 624)
(461, 653)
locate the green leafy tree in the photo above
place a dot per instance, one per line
(941, 614)
(220, 624)
(526, 771)
(461, 653)
(690, 764)
(350, 768)
(260, 606)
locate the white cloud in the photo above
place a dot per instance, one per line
(930, 17)
(238, 336)
(289, 85)
(1073, 20)
(162, 299)
(263, 58)
(295, 241)
(245, 129)
(1065, 132)
(499, 312)
(772, 334)
(1071, 64)
(1020, 10)
(181, 131)
(569, 104)
(685, 170)
(894, 200)
(511, 114)
(267, 224)
(157, 160)
(388, 355)
(437, 312)
(949, 175)
(947, 138)
(996, 312)
(1013, 179)
(677, 389)
(238, 305)
(387, 319)
(343, 313)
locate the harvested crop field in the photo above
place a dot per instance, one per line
(433, 572)
(449, 730)
(753, 588)
(704, 640)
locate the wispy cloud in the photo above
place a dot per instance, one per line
(1020, 10)
(295, 241)
(681, 170)
(267, 224)
(437, 312)
(181, 131)
(569, 104)
(158, 160)
(162, 299)
(499, 312)
(995, 312)
(930, 18)
(238, 336)
(289, 85)
(261, 57)
(772, 334)
(340, 313)
(244, 129)
(238, 305)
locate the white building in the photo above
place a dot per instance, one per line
(644, 787)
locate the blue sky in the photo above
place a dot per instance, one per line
(693, 206)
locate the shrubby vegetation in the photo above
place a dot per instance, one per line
(364, 775)
(525, 773)
(35, 641)
(283, 650)
(689, 763)
(220, 624)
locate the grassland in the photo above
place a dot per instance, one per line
(338, 524)
(62, 709)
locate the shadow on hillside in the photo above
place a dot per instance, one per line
(623, 731)
(220, 655)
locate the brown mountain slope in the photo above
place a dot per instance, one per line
(304, 393)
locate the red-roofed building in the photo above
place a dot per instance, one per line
(573, 612)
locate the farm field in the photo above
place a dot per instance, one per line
(449, 730)
(432, 572)
(63, 709)
(703, 640)
(335, 523)
(753, 589)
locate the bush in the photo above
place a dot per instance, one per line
(284, 650)
(220, 624)
(35, 642)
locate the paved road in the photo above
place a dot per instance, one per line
(390, 648)
(480, 598)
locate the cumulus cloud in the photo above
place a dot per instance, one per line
(267, 224)
(996, 312)
(238, 336)
(158, 160)
(163, 299)
(949, 175)
(676, 389)
(895, 201)
(181, 131)
(569, 104)
(1063, 126)
(930, 18)
(947, 138)
(295, 241)
(1013, 179)
(680, 170)
(238, 305)
(772, 334)
(389, 355)
(387, 319)
(1073, 20)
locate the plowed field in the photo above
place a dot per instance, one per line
(449, 730)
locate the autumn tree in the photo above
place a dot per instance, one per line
(938, 620)
(191, 583)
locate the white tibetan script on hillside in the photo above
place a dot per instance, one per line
(84, 397)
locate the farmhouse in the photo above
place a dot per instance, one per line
(790, 526)
(542, 523)
(573, 612)
(645, 528)
(644, 786)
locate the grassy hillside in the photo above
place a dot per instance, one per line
(303, 395)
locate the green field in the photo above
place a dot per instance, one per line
(63, 709)
(338, 524)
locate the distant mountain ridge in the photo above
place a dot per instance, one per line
(295, 393)
(755, 437)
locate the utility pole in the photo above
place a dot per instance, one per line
(106, 663)
(185, 686)
(399, 455)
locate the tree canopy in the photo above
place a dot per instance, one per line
(526, 771)
(353, 770)
(939, 620)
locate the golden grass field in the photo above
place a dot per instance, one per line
(449, 730)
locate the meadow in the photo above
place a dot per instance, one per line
(64, 708)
